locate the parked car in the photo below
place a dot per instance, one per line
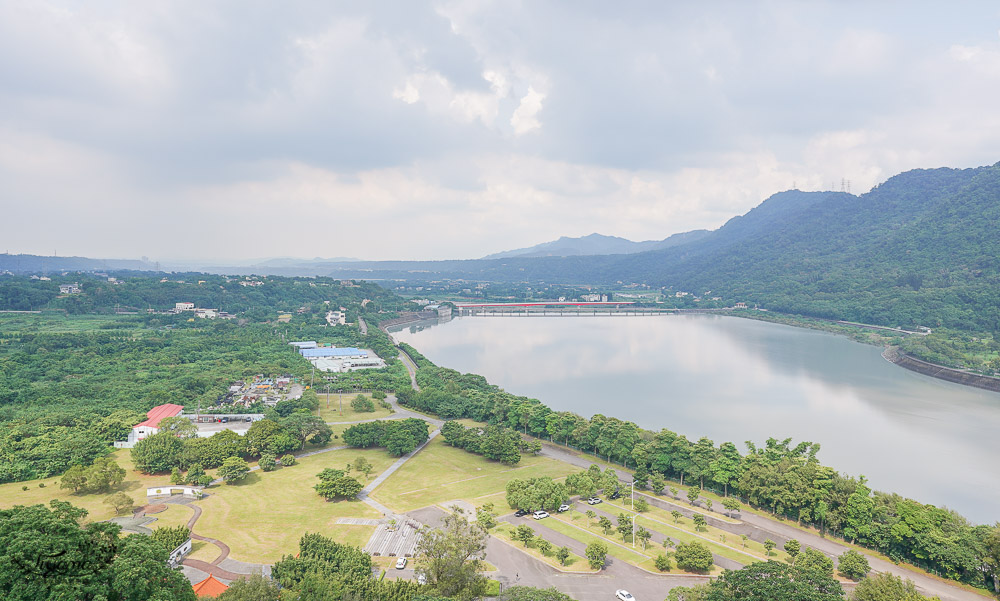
(593, 500)
(225, 420)
(624, 595)
(563, 507)
(520, 513)
(538, 515)
(615, 494)
(400, 563)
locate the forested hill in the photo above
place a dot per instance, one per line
(923, 248)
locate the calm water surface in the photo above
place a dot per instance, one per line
(735, 380)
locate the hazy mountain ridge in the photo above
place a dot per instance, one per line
(597, 244)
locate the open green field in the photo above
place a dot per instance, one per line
(135, 485)
(574, 563)
(442, 473)
(263, 517)
(333, 414)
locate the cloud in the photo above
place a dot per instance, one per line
(464, 127)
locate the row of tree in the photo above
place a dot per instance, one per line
(784, 478)
(493, 442)
(398, 437)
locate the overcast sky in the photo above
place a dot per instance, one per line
(413, 130)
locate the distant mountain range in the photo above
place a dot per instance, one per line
(923, 248)
(597, 244)
(41, 264)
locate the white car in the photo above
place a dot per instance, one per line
(400, 563)
(593, 500)
(563, 507)
(540, 514)
(624, 595)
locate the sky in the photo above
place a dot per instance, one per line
(238, 130)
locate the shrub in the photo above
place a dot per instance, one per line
(362, 404)
(288, 460)
(662, 563)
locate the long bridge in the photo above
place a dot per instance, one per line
(568, 308)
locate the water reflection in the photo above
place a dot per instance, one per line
(735, 379)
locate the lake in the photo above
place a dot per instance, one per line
(735, 379)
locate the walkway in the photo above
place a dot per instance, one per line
(363, 495)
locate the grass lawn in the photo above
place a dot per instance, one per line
(203, 551)
(175, 515)
(661, 521)
(574, 563)
(333, 413)
(442, 473)
(571, 523)
(135, 485)
(263, 517)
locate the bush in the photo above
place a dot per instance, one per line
(597, 553)
(288, 460)
(234, 469)
(662, 563)
(693, 557)
(267, 462)
(853, 565)
(362, 404)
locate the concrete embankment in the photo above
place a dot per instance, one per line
(893, 355)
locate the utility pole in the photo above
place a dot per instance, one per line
(633, 514)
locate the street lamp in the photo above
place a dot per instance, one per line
(632, 484)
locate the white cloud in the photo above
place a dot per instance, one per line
(525, 118)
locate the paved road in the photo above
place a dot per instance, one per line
(362, 326)
(410, 367)
(759, 527)
(517, 568)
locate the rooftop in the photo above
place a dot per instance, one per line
(156, 414)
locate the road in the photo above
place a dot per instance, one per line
(518, 568)
(760, 527)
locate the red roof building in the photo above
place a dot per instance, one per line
(153, 418)
(209, 587)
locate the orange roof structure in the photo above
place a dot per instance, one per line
(159, 412)
(209, 587)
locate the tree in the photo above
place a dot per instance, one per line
(342, 487)
(74, 478)
(662, 563)
(486, 517)
(233, 470)
(596, 554)
(769, 546)
(157, 453)
(544, 546)
(527, 593)
(287, 460)
(362, 404)
(731, 505)
(267, 462)
(771, 580)
(562, 554)
(451, 557)
(194, 474)
(792, 547)
(641, 505)
(656, 483)
(120, 502)
(590, 515)
(179, 426)
(642, 535)
(399, 442)
(609, 481)
(604, 524)
(677, 516)
(45, 553)
(810, 559)
(253, 588)
(303, 427)
(884, 586)
(693, 494)
(693, 557)
(171, 537)
(104, 474)
(524, 534)
(708, 504)
(699, 522)
(581, 484)
(176, 477)
(673, 492)
(744, 538)
(625, 526)
(363, 465)
(853, 565)
(698, 592)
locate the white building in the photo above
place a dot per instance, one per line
(183, 307)
(151, 425)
